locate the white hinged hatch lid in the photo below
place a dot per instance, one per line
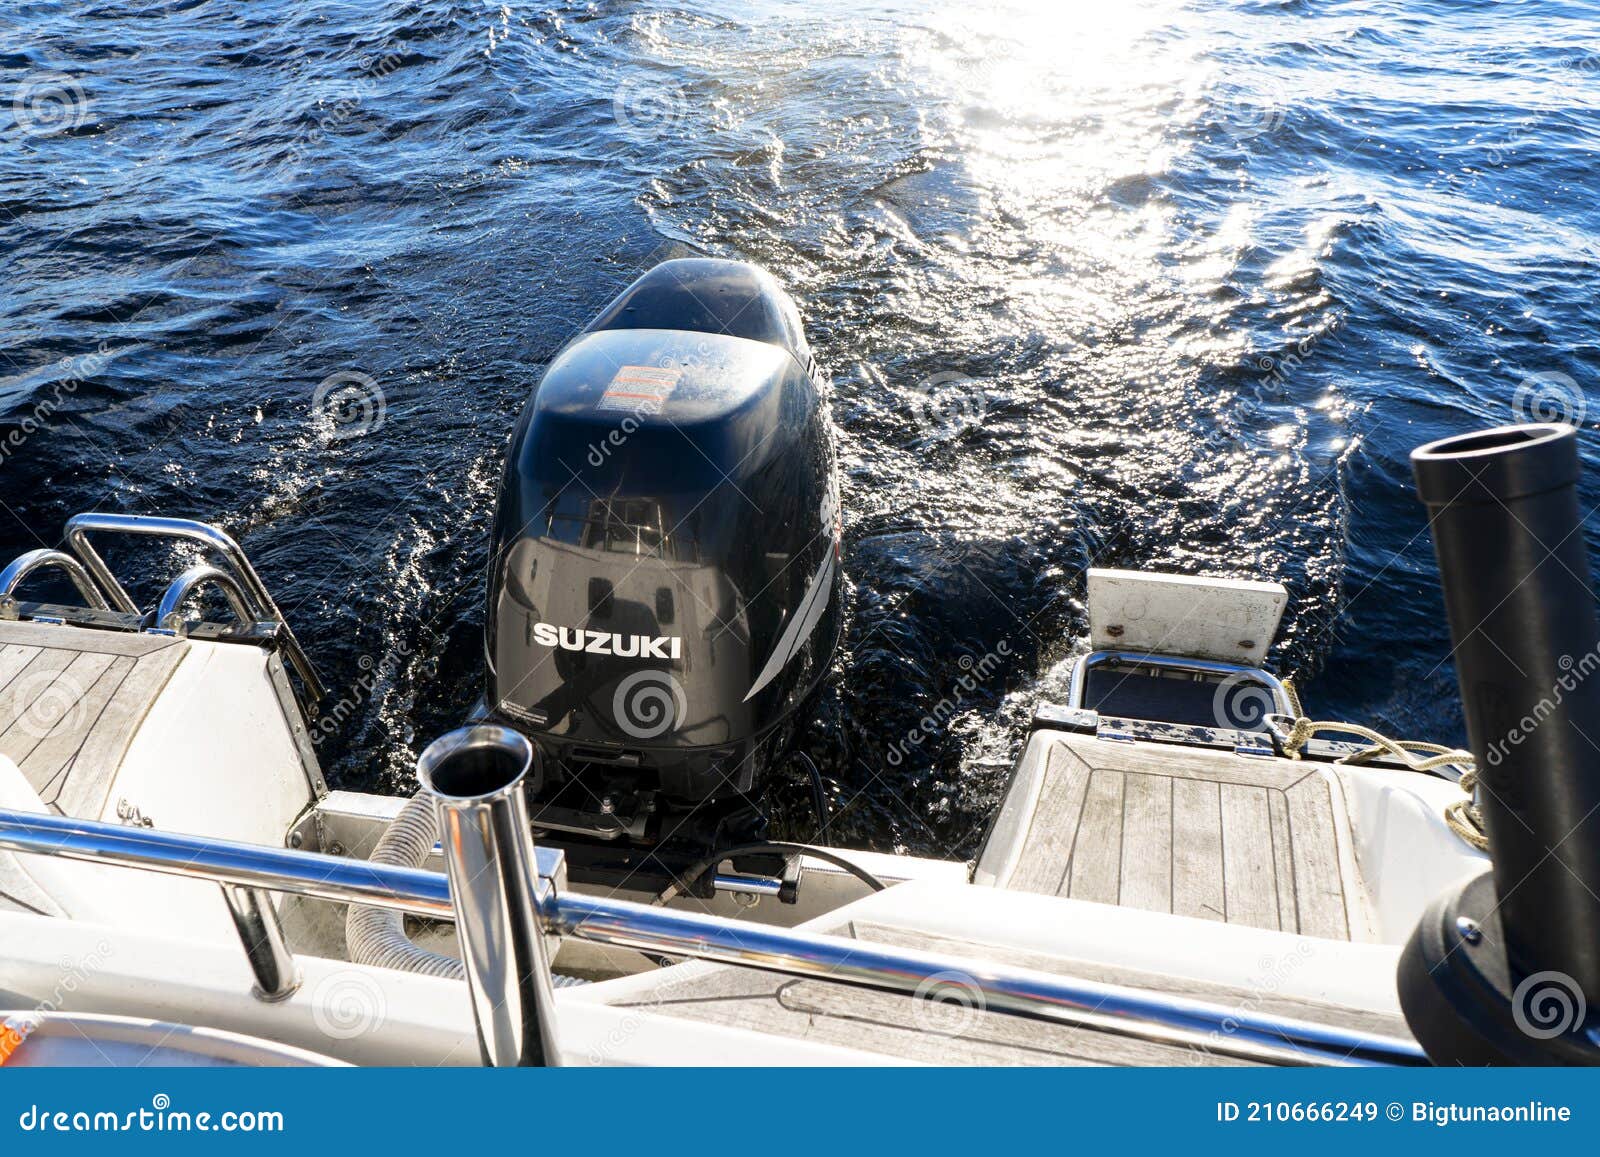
(1233, 620)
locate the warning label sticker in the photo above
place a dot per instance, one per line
(640, 389)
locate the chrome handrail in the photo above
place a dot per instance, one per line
(1000, 988)
(309, 874)
(24, 565)
(77, 536)
(168, 616)
(1078, 680)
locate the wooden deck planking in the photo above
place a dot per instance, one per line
(1197, 888)
(88, 779)
(1096, 867)
(1249, 876)
(1208, 834)
(59, 637)
(71, 701)
(1146, 842)
(1283, 861)
(14, 658)
(46, 766)
(1319, 893)
(1047, 849)
(21, 700)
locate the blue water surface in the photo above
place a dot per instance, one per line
(1138, 284)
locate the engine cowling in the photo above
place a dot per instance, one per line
(664, 584)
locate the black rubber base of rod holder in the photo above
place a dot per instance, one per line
(1468, 1005)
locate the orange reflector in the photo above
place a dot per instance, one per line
(12, 1034)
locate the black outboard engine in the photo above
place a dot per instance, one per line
(664, 572)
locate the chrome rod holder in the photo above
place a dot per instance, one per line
(476, 777)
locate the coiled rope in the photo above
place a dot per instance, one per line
(1464, 817)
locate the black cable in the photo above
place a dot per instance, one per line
(677, 887)
(819, 794)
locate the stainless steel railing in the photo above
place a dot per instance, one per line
(169, 612)
(252, 594)
(998, 988)
(24, 565)
(1078, 679)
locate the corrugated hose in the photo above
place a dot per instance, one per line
(377, 936)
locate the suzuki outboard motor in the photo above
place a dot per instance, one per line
(664, 572)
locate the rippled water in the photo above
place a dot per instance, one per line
(1138, 284)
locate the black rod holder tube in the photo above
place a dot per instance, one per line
(1503, 509)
